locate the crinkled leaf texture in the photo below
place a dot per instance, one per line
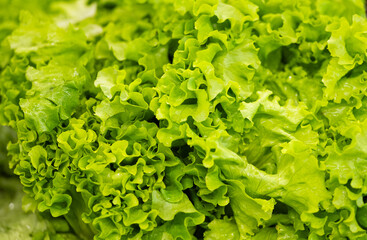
(196, 119)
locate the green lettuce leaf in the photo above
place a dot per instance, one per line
(205, 119)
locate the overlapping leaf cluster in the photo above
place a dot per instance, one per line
(169, 119)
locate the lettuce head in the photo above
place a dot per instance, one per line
(185, 119)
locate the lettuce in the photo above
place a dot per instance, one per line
(197, 119)
(17, 224)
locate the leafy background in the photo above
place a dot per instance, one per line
(173, 119)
